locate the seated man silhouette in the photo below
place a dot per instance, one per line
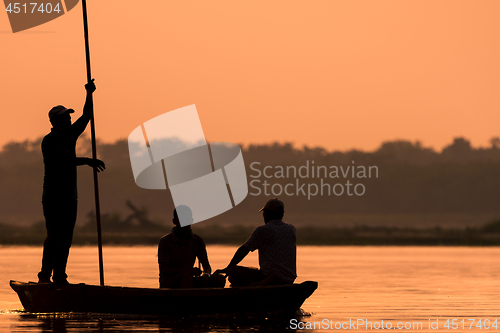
(276, 242)
(177, 253)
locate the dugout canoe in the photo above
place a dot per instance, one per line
(277, 300)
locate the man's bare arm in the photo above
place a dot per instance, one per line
(203, 258)
(207, 269)
(239, 255)
(81, 123)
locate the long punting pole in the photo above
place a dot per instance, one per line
(94, 152)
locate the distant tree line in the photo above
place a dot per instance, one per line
(412, 179)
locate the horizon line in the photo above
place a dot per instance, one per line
(417, 142)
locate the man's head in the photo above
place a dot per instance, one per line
(274, 209)
(183, 214)
(60, 117)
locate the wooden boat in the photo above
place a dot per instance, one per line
(277, 300)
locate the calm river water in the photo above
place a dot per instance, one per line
(360, 289)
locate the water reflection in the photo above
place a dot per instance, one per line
(62, 323)
(394, 284)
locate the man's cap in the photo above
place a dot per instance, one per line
(274, 204)
(58, 110)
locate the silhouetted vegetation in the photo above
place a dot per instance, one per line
(235, 235)
(417, 189)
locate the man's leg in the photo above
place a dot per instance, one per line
(181, 280)
(50, 244)
(217, 281)
(67, 225)
(243, 276)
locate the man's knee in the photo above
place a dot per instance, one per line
(217, 281)
(241, 275)
(231, 271)
(234, 274)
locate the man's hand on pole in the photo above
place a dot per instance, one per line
(90, 87)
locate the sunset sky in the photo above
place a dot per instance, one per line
(338, 74)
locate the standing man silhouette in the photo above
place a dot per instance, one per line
(59, 198)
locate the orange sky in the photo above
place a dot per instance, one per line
(339, 74)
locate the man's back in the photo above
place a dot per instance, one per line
(60, 169)
(276, 242)
(177, 253)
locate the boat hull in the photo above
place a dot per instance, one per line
(47, 297)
